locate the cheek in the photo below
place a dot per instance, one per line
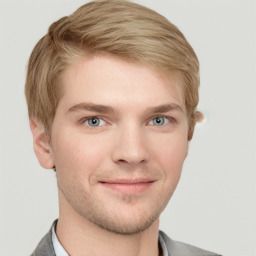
(175, 152)
(170, 154)
(77, 155)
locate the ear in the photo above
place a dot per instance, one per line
(42, 146)
(198, 117)
(191, 129)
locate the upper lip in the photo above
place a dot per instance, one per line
(128, 181)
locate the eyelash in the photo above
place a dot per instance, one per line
(170, 120)
(83, 120)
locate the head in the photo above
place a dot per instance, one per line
(120, 28)
(112, 92)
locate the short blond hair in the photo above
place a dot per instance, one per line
(121, 28)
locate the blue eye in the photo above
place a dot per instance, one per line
(94, 121)
(158, 121)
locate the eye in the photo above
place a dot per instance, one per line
(94, 121)
(158, 121)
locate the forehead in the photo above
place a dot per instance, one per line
(105, 79)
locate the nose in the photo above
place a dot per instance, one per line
(131, 146)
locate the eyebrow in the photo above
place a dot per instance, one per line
(165, 108)
(103, 109)
(91, 107)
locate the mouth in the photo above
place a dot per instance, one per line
(128, 186)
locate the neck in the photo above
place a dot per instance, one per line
(81, 237)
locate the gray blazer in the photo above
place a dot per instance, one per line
(45, 247)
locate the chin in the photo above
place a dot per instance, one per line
(125, 227)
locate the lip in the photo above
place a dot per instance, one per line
(128, 186)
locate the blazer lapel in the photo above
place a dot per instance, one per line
(45, 247)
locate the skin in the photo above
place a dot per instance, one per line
(119, 163)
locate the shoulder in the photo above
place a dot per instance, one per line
(181, 249)
(45, 246)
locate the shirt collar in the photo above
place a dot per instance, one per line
(60, 251)
(163, 246)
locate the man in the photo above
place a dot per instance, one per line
(112, 92)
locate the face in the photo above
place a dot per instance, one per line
(119, 139)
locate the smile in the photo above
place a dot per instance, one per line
(128, 186)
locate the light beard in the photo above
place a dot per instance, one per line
(108, 219)
(121, 227)
(131, 214)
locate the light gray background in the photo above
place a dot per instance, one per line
(214, 206)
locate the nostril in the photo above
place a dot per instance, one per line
(130, 163)
(122, 161)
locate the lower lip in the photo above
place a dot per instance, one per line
(125, 188)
